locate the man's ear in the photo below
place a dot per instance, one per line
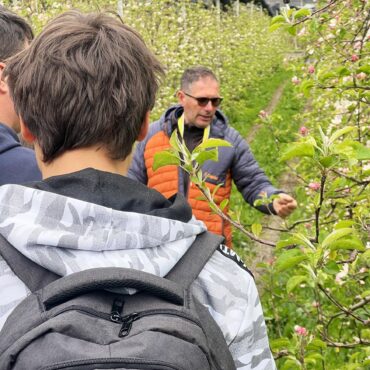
(145, 127)
(28, 137)
(180, 97)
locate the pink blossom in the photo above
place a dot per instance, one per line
(357, 45)
(300, 330)
(354, 58)
(303, 130)
(262, 114)
(311, 69)
(315, 304)
(361, 76)
(307, 225)
(296, 80)
(314, 186)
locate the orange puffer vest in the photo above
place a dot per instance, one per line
(166, 181)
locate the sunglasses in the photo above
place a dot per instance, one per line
(202, 102)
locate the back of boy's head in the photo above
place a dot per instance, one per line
(86, 80)
(15, 33)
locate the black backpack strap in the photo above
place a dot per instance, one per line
(193, 261)
(34, 276)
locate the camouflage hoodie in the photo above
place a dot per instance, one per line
(114, 221)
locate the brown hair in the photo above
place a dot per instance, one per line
(194, 74)
(14, 33)
(87, 79)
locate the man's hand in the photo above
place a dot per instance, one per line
(284, 205)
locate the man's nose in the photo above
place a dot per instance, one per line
(209, 105)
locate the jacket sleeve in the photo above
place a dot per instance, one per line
(252, 354)
(137, 170)
(249, 178)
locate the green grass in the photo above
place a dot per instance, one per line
(266, 151)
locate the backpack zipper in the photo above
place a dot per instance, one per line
(110, 361)
(127, 320)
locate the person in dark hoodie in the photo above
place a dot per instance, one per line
(17, 163)
(199, 99)
(93, 81)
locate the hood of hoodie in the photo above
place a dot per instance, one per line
(8, 138)
(86, 224)
(218, 124)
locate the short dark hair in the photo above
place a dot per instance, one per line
(194, 74)
(14, 33)
(86, 79)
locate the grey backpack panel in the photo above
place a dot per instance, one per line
(85, 321)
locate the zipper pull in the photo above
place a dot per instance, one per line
(127, 324)
(117, 308)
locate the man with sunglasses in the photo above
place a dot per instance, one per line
(199, 99)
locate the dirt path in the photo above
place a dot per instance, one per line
(286, 182)
(269, 109)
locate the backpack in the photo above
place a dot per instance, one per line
(81, 321)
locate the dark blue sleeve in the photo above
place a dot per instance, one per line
(249, 178)
(137, 170)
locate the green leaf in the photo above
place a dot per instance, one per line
(280, 343)
(349, 244)
(335, 235)
(181, 124)
(331, 268)
(365, 69)
(285, 243)
(289, 259)
(275, 26)
(337, 134)
(165, 158)
(318, 343)
(256, 229)
(328, 161)
(365, 294)
(301, 13)
(175, 142)
(292, 30)
(206, 155)
(294, 281)
(212, 143)
(362, 153)
(343, 224)
(343, 71)
(223, 204)
(298, 150)
(306, 87)
(278, 19)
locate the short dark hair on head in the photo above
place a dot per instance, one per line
(14, 33)
(86, 79)
(194, 74)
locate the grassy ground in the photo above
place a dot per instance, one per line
(265, 149)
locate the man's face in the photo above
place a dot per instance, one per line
(195, 114)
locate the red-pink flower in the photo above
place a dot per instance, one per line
(262, 114)
(314, 185)
(311, 69)
(296, 80)
(300, 330)
(303, 130)
(354, 58)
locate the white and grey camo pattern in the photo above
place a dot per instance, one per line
(66, 235)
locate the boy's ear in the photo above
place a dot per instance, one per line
(26, 133)
(144, 127)
(3, 85)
